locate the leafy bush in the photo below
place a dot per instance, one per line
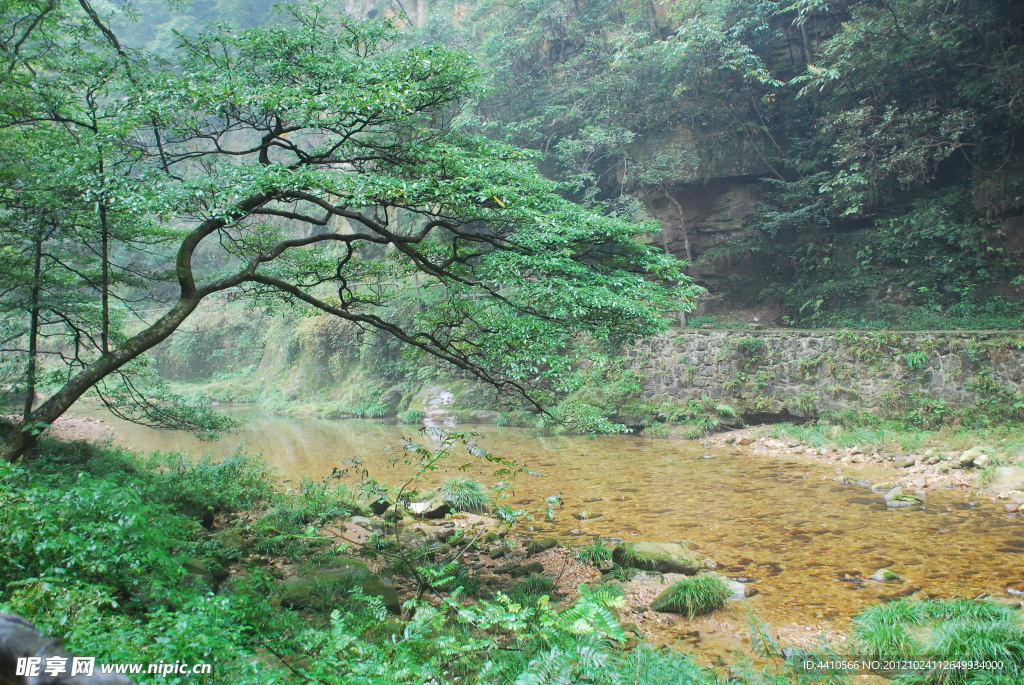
(531, 588)
(288, 529)
(236, 483)
(91, 529)
(692, 596)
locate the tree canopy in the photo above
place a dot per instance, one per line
(307, 161)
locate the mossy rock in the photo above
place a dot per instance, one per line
(884, 575)
(663, 557)
(518, 571)
(233, 545)
(314, 586)
(541, 545)
(377, 586)
(196, 567)
(206, 572)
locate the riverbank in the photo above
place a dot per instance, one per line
(805, 531)
(802, 538)
(205, 563)
(991, 462)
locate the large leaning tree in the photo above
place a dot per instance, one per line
(310, 161)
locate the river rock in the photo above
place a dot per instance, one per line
(377, 505)
(520, 570)
(884, 575)
(663, 557)
(1010, 507)
(541, 545)
(434, 508)
(1015, 496)
(738, 590)
(369, 523)
(1007, 478)
(421, 532)
(969, 457)
(904, 462)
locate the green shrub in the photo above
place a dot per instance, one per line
(692, 596)
(288, 529)
(236, 483)
(89, 528)
(465, 494)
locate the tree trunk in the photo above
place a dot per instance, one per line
(20, 441)
(33, 330)
(682, 225)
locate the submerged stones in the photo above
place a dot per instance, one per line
(898, 499)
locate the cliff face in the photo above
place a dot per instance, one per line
(703, 221)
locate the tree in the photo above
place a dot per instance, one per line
(306, 161)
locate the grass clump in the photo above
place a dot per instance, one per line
(465, 494)
(287, 529)
(945, 629)
(411, 417)
(593, 554)
(531, 588)
(693, 596)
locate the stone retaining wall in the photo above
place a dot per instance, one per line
(766, 374)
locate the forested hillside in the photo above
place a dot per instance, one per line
(852, 163)
(819, 163)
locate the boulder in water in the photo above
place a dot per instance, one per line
(663, 557)
(884, 575)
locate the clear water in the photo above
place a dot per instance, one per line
(785, 523)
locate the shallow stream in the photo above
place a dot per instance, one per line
(787, 524)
